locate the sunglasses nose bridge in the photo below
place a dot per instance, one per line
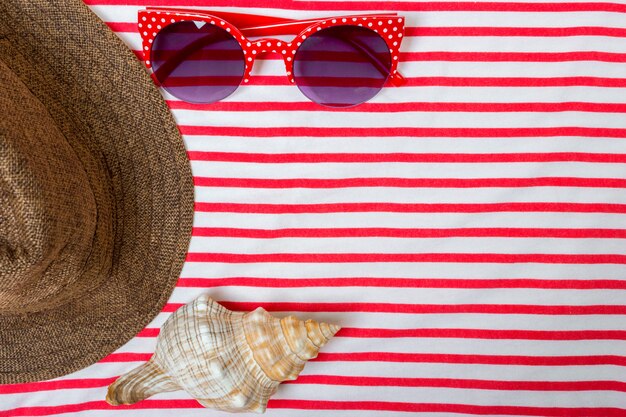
(269, 46)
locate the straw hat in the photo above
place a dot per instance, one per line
(96, 193)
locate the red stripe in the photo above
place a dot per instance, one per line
(516, 31)
(384, 5)
(465, 333)
(435, 132)
(512, 81)
(558, 284)
(368, 381)
(202, 81)
(126, 357)
(122, 26)
(148, 332)
(539, 207)
(329, 81)
(283, 158)
(426, 308)
(37, 411)
(273, 80)
(508, 360)
(409, 257)
(360, 381)
(282, 80)
(403, 107)
(84, 383)
(408, 233)
(411, 182)
(454, 56)
(469, 31)
(429, 358)
(486, 334)
(449, 408)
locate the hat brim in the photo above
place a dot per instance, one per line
(61, 43)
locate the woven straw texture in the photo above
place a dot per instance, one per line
(96, 192)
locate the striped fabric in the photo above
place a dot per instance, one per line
(466, 230)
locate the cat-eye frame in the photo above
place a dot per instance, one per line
(202, 56)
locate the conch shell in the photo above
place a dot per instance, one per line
(226, 360)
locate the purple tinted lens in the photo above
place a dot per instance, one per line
(342, 66)
(197, 62)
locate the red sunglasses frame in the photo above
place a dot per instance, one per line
(389, 26)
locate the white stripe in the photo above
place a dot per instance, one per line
(392, 269)
(391, 394)
(400, 195)
(266, 67)
(481, 43)
(436, 68)
(407, 170)
(437, 345)
(384, 245)
(400, 119)
(464, 371)
(121, 13)
(517, 296)
(299, 144)
(474, 397)
(479, 346)
(409, 94)
(417, 370)
(514, 44)
(443, 395)
(442, 321)
(409, 220)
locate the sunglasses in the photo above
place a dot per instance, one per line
(201, 56)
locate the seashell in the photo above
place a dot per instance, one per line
(226, 360)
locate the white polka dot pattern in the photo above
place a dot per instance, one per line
(389, 27)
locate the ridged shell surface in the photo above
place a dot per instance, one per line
(226, 360)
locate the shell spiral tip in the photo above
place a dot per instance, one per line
(138, 384)
(110, 398)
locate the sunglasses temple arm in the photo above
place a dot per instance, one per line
(397, 79)
(288, 26)
(155, 80)
(257, 25)
(240, 20)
